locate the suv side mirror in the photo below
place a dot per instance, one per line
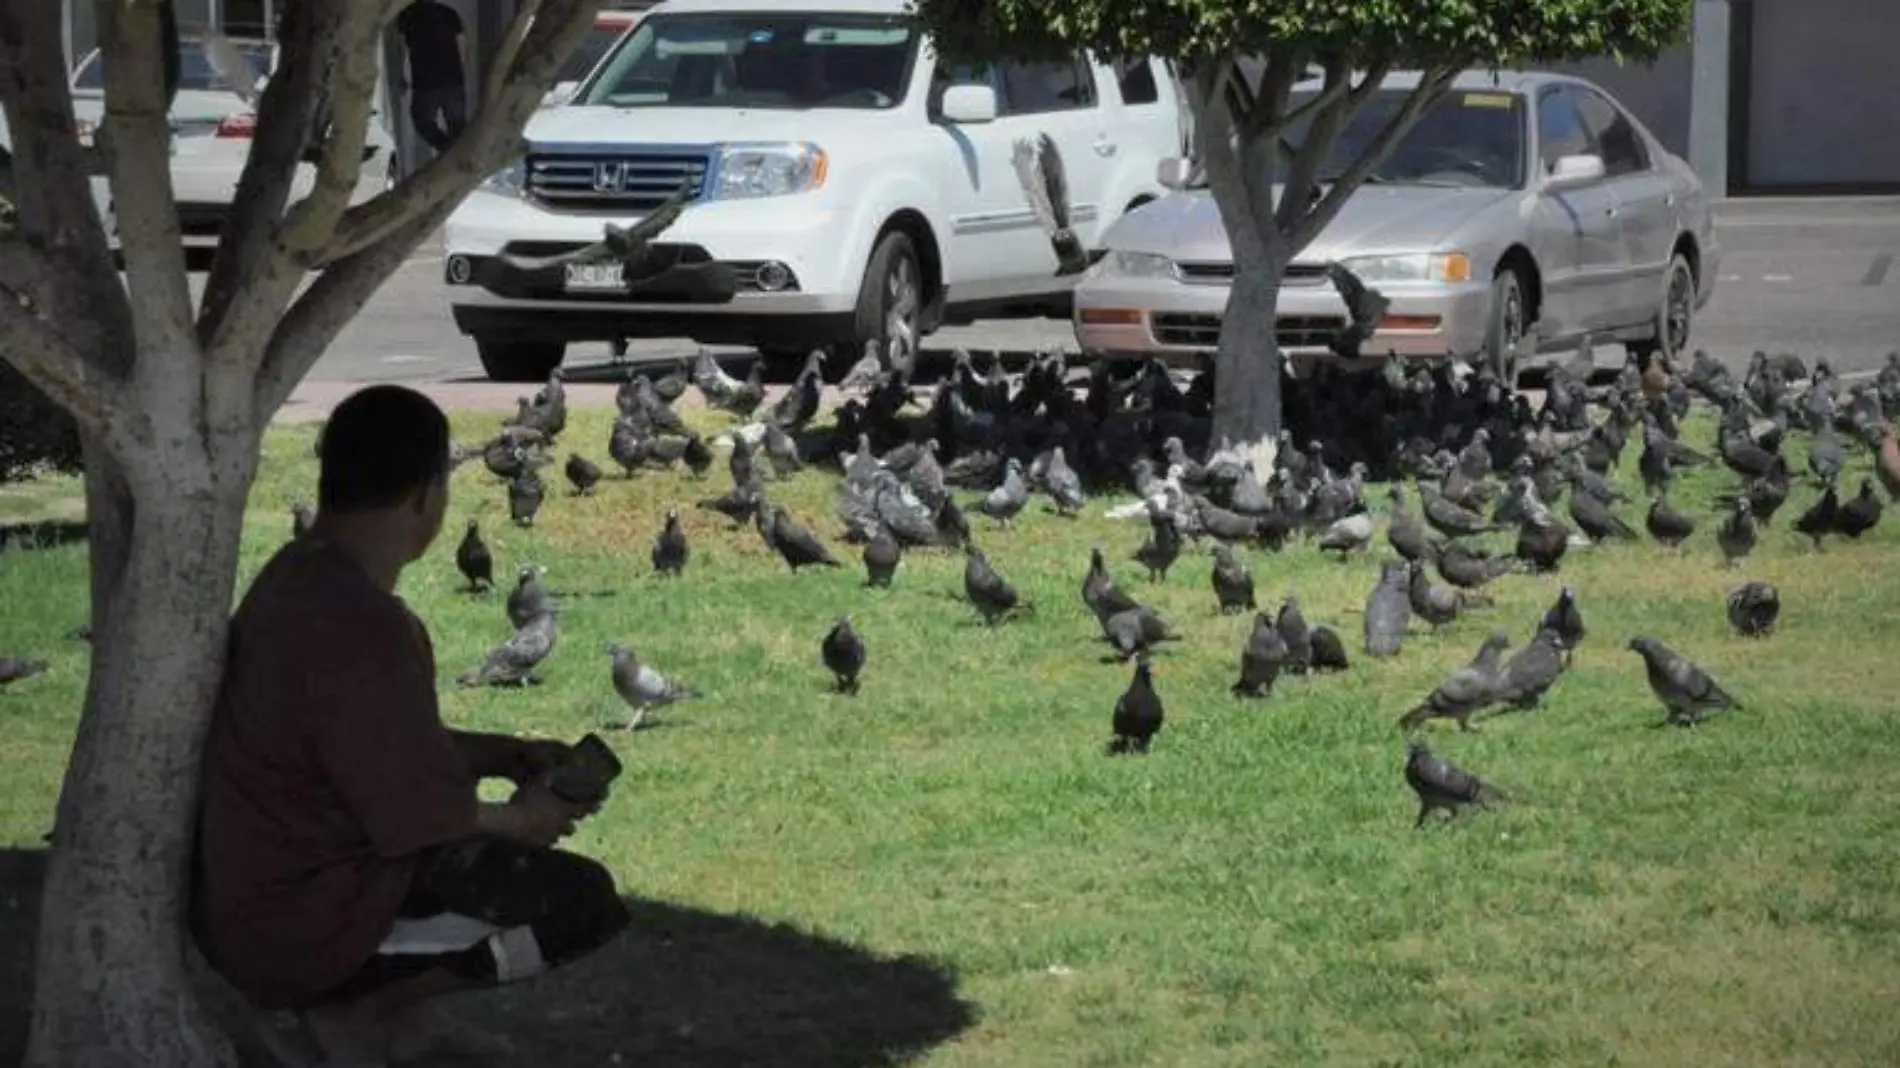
(969, 104)
(1174, 172)
(1573, 171)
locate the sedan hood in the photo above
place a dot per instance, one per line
(1187, 226)
(573, 124)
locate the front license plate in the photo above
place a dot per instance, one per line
(595, 278)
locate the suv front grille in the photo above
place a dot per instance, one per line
(1201, 331)
(621, 182)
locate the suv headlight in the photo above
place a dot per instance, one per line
(509, 181)
(1132, 265)
(1416, 267)
(743, 171)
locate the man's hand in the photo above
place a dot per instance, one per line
(533, 758)
(541, 817)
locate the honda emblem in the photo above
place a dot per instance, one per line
(610, 177)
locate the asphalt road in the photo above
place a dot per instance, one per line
(1815, 277)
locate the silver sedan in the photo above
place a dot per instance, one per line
(1520, 203)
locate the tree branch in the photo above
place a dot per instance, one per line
(1214, 134)
(352, 68)
(1430, 89)
(489, 142)
(510, 48)
(49, 359)
(312, 323)
(245, 259)
(1321, 135)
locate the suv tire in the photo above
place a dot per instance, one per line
(519, 361)
(890, 300)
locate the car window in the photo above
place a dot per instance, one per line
(1467, 138)
(592, 47)
(1034, 88)
(1137, 80)
(194, 67)
(1614, 133)
(1560, 130)
(759, 60)
(960, 74)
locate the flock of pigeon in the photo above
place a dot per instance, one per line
(1482, 457)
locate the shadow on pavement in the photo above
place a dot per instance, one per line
(682, 987)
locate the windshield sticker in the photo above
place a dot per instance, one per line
(1487, 100)
(759, 37)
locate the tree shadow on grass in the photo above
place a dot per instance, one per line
(682, 987)
(44, 534)
(688, 988)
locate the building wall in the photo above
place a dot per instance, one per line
(1822, 80)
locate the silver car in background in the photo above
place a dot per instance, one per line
(1520, 202)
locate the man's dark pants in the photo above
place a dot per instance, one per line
(439, 114)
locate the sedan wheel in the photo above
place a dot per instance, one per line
(1678, 310)
(1507, 327)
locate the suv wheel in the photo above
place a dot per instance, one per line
(1507, 325)
(519, 361)
(891, 298)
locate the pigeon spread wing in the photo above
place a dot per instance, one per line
(1029, 171)
(1055, 180)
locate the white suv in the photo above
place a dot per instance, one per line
(847, 192)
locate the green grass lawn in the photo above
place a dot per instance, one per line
(1249, 894)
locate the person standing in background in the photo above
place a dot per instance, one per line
(438, 55)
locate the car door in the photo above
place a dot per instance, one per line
(1143, 129)
(1645, 202)
(1579, 235)
(1062, 100)
(992, 232)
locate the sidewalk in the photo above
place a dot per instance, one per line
(313, 401)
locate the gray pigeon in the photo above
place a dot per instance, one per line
(1686, 691)
(1441, 784)
(512, 663)
(670, 550)
(529, 598)
(1465, 692)
(1435, 604)
(882, 554)
(1233, 583)
(1736, 536)
(843, 654)
(1063, 484)
(1261, 659)
(1137, 630)
(14, 669)
(525, 493)
(992, 595)
(641, 687)
(1471, 568)
(1009, 497)
(1347, 534)
(1753, 609)
(1403, 532)
(1566, 619)
(1297, 636)
(1388, 611)
(1530, 674)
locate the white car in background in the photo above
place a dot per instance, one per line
(213, 121)
(1524, 211)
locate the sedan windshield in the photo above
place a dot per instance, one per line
(1468, 138)
(758, 60)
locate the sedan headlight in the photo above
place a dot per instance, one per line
(744, 171)
(1132, 265)
(509, 181)
(1416, 267)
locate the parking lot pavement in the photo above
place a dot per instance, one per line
(1814, 277)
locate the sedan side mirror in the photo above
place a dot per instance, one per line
(1573, 171)
(1174, 172)
(969, 104)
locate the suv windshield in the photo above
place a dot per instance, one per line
(1468, 138)
(593, 46)
(758, 60)
(194, 68)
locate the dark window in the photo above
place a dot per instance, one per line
(1560, 130)
(1032, 88)
(592, 47)
(1137, 78)
(1615, 135)
(1468, 137)
(778, 60)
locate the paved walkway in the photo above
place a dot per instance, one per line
(313, 401)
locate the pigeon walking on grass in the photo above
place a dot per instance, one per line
(1138, 712)
(1565, 618)
(641, 686)
(1233, 583)
(670, 550)
(882, 554)
(1008, 498)
(1441, 784)
(992, 594)
(1261, 659)
(529, 598)
(1753, 609)
(843, 654)
(512, 663)
(15, 669)
(1532, 670)
(1137, 630)
(474, 561)
(582, 473)
(1388, 611)
(798, 547)
(1685, 690)
(525, 494)
(1736, 536)
(1465, 692)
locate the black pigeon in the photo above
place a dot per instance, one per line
(1753, 608)
(529, 598)
(992, 594)
(739, 505)
(1822, 518)
(1565, 618)
(1470, 569)
(696, 454)
(1138, 712)
(1451, 520)
(843, 654)
(1595, 519)
(1527, 676)
(1297, 636)
(1261, 659)
(1465, 692)
(1736, 535)
(1233, 583)
(882, 554)
(582, 472)
(1162, 547)
(1329, 650)
(1686, 691)
(798, 547)
(301, 520)
(1542, 541)
(525, 494)
(14, 669)
(1365, 307)
(1099, 591)
(473, 560)
(1441, 784)
(1861, 514)
(1667, 525)
(670, 550)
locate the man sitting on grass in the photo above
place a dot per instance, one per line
(346, 868)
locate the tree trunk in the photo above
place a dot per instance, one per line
(1247, 365)
(112, 984)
